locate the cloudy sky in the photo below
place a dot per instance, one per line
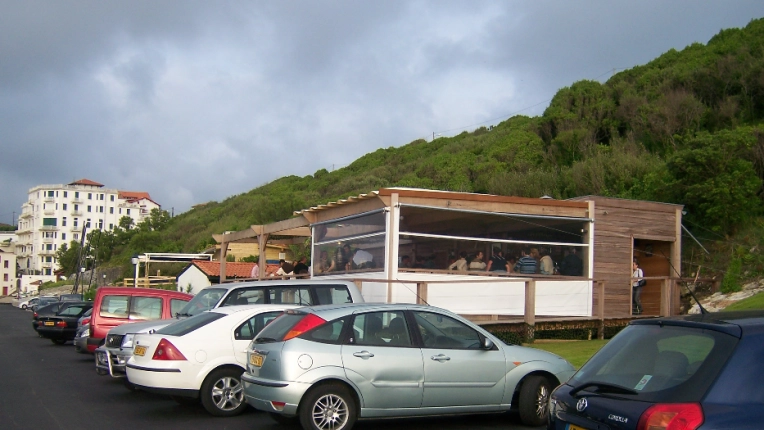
(195, 101)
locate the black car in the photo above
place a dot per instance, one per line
(46, 309)
(697, 372)
(43, 301)
(62, 326)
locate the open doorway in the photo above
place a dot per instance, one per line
(654, 259)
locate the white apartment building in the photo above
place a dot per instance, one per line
(58, 214)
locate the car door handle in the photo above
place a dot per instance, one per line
(440, 357)
(363, 354)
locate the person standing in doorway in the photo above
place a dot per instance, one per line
(636, 287)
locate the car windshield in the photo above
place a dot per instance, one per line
(656, 363)
(185, 326)
(204, 301)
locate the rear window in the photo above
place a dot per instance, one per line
(660, 363)
(185, 326)
(276, 330)
(204, 301)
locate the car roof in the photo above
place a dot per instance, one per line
(229, 310)
(143, 291)
(730, 322)
(277, 282)
(337, 310)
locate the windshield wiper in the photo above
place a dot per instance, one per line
(604, 387)
(182, 314)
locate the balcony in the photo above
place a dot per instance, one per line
(77, 200)
(47, 264)
(47, 240)
(76, 228)
(49, 228)
(47, 252)
(26, 215)
(76, 212)
(48, 199)
(47, 211)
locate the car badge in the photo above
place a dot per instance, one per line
(581, 405)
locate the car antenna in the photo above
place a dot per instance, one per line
(414, 292)
(703, 310)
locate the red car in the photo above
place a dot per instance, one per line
(115, 306)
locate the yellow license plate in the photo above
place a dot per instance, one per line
(140, 350)
(256, 360)
(49, 323)
(574, 427)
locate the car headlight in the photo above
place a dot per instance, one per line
(127, 341)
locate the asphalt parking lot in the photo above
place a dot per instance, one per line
(45, 386)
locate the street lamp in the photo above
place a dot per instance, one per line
(136, 261)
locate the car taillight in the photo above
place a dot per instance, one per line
(310, 321)
(86, 321)
(34, 315)
(60, 323)
(671, 416)
(167, 351)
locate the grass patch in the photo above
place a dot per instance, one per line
(753, 302)
(576, 351)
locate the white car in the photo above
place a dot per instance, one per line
(201, 357)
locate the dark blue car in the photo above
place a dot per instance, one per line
(697, 372)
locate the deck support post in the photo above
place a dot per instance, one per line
(530, 310)
(601, 309)
(421, 293)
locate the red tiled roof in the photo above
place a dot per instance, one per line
(232, 269)
(134, 195)
(84, 181)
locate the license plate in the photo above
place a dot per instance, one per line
(256, 360)
(49, 323)
(574, 427)
(140, 350)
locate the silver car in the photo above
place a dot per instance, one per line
(331, 365)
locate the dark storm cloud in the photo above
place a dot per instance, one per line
(198, 101)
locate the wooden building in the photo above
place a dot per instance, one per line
(375, 234)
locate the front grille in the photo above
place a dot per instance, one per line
(114, 340)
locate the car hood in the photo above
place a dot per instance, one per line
(141, 327)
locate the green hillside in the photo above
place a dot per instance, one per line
(684, 128)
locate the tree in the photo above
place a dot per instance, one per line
(67, 257)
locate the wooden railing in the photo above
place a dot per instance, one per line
(148, 282)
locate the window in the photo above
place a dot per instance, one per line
(100, 209)
(112, 198)
(354, 243)
(128, 211)
(176, 305)
(440, 331)
(50, 221)
(111, 226)
(243, 296)
(329, 294)
(111, 210)
(90, 196)
(327, 333)
(252, 326)
(100, 224)
(76, 208)
(63, 236)
(90, 208)
(381, 329)
(185, 326)
(48, 271)
(73, 311)
(75, 222)
(100, 197)
(114, 306)
(51, 193)
(65, 195)
(49, 247)
(87, 224)
(76, 236)
(64, 206)
(5, 264)
(63, 222)
(5, 276)
(146, 308)
(290, 295)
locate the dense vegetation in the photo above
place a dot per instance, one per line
(685, 128)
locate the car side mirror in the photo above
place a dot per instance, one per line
(486, 344)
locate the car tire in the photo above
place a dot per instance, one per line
(24, 307)
(534, 400)
(58, 341)
(185, 401)
(283, 419)
(222, 392)
(329, 406)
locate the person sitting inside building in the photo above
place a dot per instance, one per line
(546, 264)
(362, 259)
(405, 262)
(497, 263)
(477, 262)
(526, 264)
(285, 269)
(571, 264)
(342, 257)
(301, 268)
(460, 265)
